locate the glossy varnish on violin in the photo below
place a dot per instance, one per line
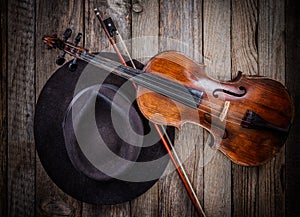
(258, 111)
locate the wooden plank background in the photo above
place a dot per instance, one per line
(256, 37)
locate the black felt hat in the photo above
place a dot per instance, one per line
(119, 166)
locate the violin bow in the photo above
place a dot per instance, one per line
(111, 31)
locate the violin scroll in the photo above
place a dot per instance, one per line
(67, 48)
(53, 42)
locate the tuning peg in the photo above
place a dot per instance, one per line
(77, 39)
(73, 64)
(67, 34)
(61, 58)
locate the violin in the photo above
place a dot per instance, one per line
(248, 117)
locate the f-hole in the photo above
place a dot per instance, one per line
(241, 88)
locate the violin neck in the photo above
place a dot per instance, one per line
(110, 65)
(180, 93)
(171, 89)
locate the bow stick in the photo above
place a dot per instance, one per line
(110, 31)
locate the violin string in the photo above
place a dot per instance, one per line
(146, 82)
(145, 76)
(159, 85)
(159, 82)
(199, 109)
(95, 60)
(90, 58)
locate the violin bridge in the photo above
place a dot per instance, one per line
(224, 111)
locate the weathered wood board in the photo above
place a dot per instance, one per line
(256, 37)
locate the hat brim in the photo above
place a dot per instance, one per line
(50, 111)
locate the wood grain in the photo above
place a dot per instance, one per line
(271, 53)
(179, 30)
(257, 37)
(145, 40)
(20, 106)
(54, 17)
(292, 159)
(145, 45)
(216, 37)
(244, 21)
(244, 58)
(3, 111)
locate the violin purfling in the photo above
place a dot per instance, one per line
(248, 118)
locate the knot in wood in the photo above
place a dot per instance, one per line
(137, 7)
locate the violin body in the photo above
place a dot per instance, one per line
(248, 117)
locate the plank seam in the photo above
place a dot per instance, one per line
(6, 106)
(34, 92)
